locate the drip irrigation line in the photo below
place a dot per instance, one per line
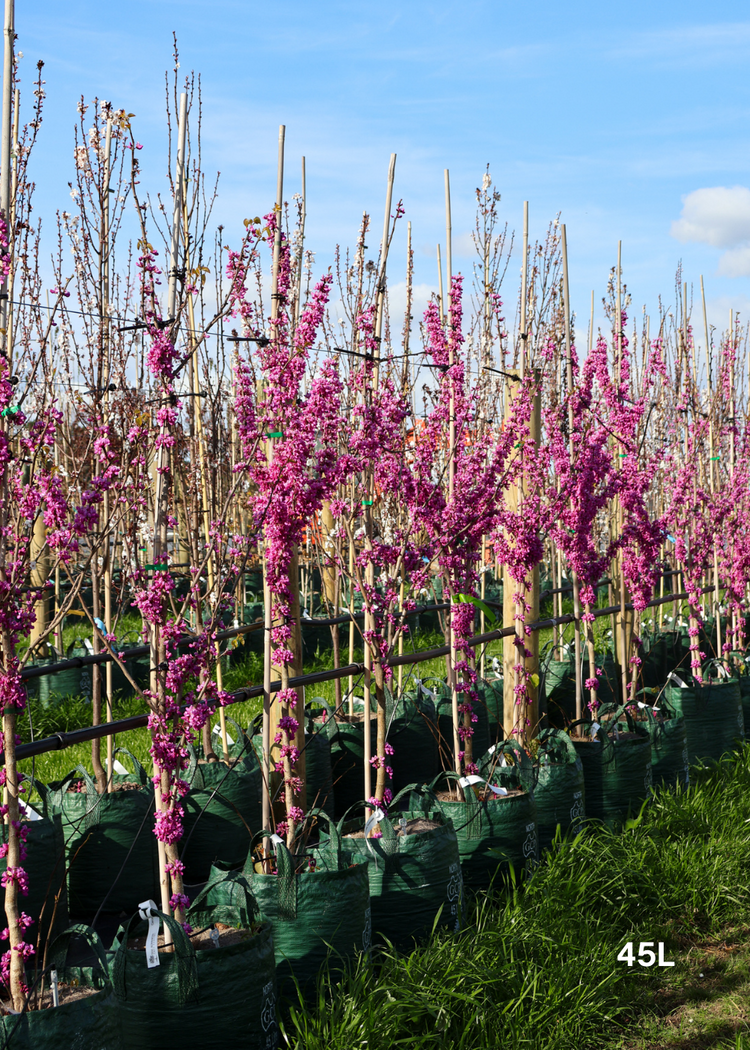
(60, 741)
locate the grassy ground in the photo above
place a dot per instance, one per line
(536, 967)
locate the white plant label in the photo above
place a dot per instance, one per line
(374, 819)
(672, 677)
(217, 731)
(595, 727)
(646, 956)
(147, 910)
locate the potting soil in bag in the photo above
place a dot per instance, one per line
(616, 761)
(714, 723)
(412, 733)
(414, 870)
(45, 866)
(110, 847)
(670, 763)
(209, 995)
(87, 1017)
(495, 828)
(222, 808)
(560, 792)
(312, 909)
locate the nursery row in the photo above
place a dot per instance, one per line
(200, 434)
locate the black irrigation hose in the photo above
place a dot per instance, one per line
(59, 741)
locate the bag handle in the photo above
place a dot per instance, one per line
(58, 952)
(42, 791)
(194, 777)
(187, 965)
(422, 792)
(311, 714)
(560, 737)
(247, 912)
(140, 772)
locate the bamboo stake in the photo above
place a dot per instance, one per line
(267, 620)
(569, 360)
(107, 573)
(372, 660)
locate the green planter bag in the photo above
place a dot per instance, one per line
(318, 766)
(444, 710)
(616, 766)
(412, 732)
(347, 759)
(670, 762)
(491, 696)
(76, 681)
(414, 871)
(45, 867)
(560, 792)
(558, 690)
(654, 671)
(88, 1023)
(209, 998)
(110, 847)
(312, 910)
(491, 834)
(714, 722)
(222, 809)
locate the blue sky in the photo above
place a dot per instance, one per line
(609, 114)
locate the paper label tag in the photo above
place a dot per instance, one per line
(217, 732)
(672, 677)
(146, 910)
(595, 727)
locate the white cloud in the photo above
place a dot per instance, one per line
(716, 215)
(735, 262)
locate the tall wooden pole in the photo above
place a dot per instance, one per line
(571, 446)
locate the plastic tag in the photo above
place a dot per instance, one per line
(672, 677)
(470, 781)
(595, 727)
(497, 667)
(617, 731)
(217, 732)
(374, 819)
(53, 986)
(146, 911)
(496, 791)
(277, 840)
(28, 811)
(215, 936)
(647, 707)
(118, 767)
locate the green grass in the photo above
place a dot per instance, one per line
(536, 967)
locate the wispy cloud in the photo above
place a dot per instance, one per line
(694, 45)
